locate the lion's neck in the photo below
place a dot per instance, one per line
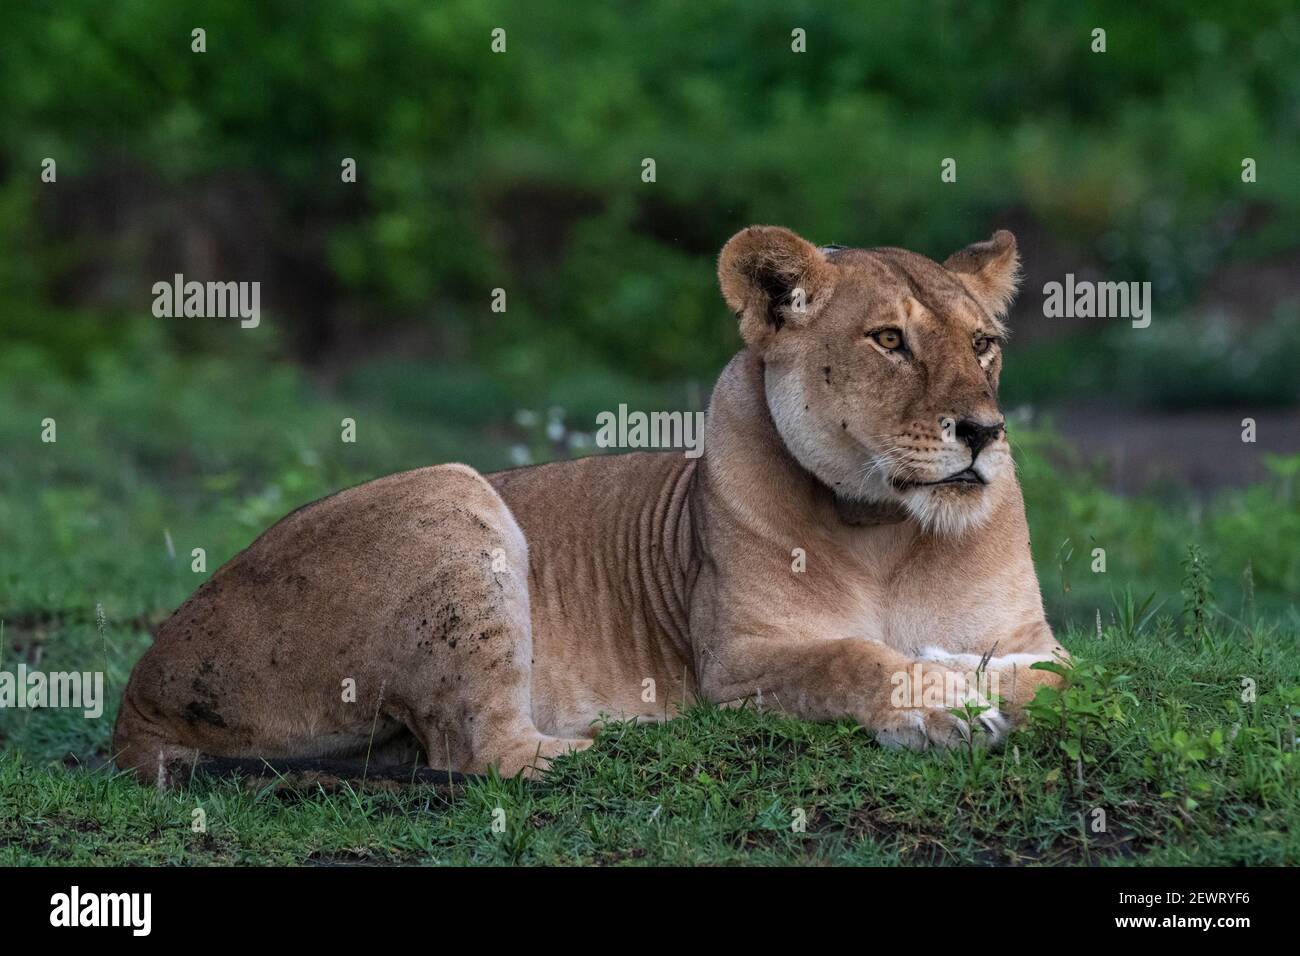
(868, 514)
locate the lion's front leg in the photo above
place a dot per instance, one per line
(906, 702)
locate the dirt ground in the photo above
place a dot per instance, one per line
(1203, 451)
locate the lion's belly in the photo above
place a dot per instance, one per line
(585, 670)
(608, 625)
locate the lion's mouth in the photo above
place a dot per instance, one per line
(967, 476)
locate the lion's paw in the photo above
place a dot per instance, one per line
(924, 728)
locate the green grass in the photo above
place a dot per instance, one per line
(723, 786)
(208, 454)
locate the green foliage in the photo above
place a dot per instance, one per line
(1190, 360)
(968, 712)
(1256, 743)
(1132, 616)
(1145, 536)
(1179, 759)
(1257, 528)
(151, 448)
(1198, 598)
(476, 167)
(1074, 719)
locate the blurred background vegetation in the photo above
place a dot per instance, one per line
(522, 171)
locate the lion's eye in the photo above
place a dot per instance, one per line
(888, 339)
(982, 343)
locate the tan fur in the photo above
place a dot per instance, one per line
(495, 621)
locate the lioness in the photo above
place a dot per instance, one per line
(852, 535)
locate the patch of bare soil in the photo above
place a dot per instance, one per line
(1201, 451)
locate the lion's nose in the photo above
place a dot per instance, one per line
(976, 434)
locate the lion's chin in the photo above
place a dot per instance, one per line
(950, 510)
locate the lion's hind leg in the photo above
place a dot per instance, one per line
(464, 635)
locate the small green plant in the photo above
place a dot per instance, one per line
(1063, 555)
(969, 712)
(1177, 760)
(1248, 595)
(1073, 718)
(1198, 598)
(1132, 616)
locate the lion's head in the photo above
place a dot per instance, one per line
(881, 366)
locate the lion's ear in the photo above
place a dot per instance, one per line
(772, 278)
(989, 270)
